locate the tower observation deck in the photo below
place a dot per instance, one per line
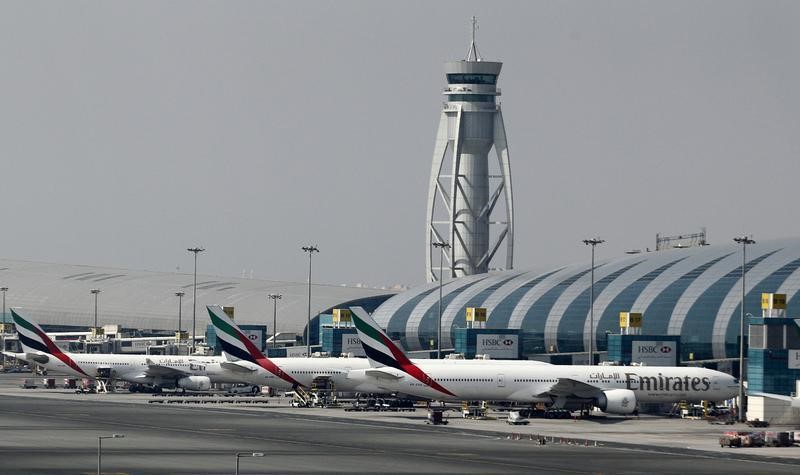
(470, 203)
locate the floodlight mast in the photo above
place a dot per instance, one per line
(744, 241)
(592, 242)
(196, 251)
(310, 250)
(274, 298)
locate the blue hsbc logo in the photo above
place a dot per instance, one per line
(654, 352)
(501, 346)
(654, 349)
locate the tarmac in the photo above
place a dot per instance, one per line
(56, 430)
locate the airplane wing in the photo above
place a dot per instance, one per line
(794, 401)
(570, 387)
(154, 369)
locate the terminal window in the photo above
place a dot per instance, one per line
(472, 79)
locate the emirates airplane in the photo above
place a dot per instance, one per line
(347, 374)
(242, 356)
(186, 372)
(613, 389)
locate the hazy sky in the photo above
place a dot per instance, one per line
(132, 130)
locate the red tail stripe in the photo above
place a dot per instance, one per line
(262, 360)
(411, 368)
(56, 351)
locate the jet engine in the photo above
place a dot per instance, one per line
(617, 401)
(195, 383)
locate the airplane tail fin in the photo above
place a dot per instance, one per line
(382, 351)
(235, 343)
(31, 336)
(35, 341)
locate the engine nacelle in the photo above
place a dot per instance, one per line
(617, 401)
(195, 383)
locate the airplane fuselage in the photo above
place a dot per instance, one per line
(347, 374)
(537, 383)
(134, 368)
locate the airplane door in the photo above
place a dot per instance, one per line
(501, 381)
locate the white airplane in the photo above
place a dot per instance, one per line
(186, 372)
(242, 356)
(347, 374)
(613, 389)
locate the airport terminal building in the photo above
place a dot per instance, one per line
(694, 293)
(691, 292)
(58, 297)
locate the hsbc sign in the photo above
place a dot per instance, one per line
(794, 359)
(497, 346)
(654, 353)
(255, 338)
(296, 352)
(352, 344)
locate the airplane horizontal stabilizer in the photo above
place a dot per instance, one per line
(19, 356)
(40, 358)
(236, 367)
(383, 373)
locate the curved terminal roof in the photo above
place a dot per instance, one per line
(692, 292)
(58, 294)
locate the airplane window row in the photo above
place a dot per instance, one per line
(316, 372)
(101, 363)
(468, 379)
(524, 380)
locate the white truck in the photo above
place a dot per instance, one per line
(250, 389)
(516, 419)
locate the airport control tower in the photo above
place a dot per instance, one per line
(470, 204)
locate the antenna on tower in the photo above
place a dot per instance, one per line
(472, 54)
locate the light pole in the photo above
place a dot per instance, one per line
(100, 448)
(196, 251)
(744, 241)
(274, 298)
(95, 292)
(246, 454)
(180, 295)
(3, 355)
(442, 246)
(310, 250)
(592, 242)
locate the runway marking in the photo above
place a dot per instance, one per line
(611, 445)
(393, 453)
(700, 453)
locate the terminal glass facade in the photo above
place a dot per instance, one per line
(692, 292)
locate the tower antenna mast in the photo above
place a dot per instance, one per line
(472, 54)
